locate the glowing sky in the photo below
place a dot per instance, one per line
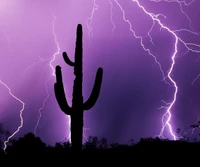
(133, 88)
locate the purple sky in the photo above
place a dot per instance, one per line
(133, 86)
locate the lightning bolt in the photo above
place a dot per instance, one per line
(180, 2)
(155, 19)
(21, 112)
(53, 72)
(111, 15)
(57, 46)
(90, 19)
(41, 108)
(16, 98)
(193, 128)
(187, 135)
(141, 38)
(195, 79)
(41, 60)
(7, 38)
(191, 47)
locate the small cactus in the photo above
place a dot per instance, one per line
(78, 106)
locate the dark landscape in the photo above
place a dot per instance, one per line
(147, 151)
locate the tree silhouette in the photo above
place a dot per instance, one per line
(27, 144)
(78, 106)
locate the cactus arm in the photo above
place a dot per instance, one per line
(67, 60)
(59, 92)
(95, 91)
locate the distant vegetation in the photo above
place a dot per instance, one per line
(30, 144)
(146, 152)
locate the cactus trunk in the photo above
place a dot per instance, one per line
(76, 111)
(77, 131)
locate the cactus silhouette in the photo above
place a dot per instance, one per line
(76, 111)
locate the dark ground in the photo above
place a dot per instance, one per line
(30, 149)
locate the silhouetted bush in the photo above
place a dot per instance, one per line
(28, 144)
(154, 148)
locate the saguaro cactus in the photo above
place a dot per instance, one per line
(78, 106)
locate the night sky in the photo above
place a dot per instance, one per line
(133, 87)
